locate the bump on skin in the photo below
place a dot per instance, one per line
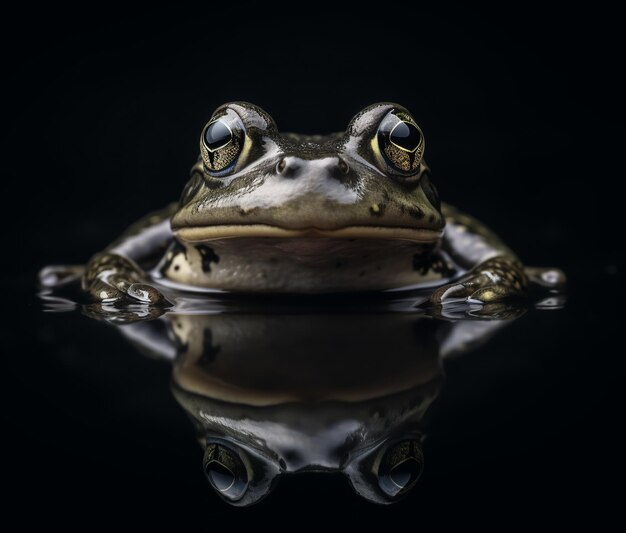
(377, 209)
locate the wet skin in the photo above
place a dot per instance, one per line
(266, 212)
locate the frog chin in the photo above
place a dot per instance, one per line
(270, 259)
(207, 234)
(296, 264)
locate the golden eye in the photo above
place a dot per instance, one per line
(220, 145)
(401, 142)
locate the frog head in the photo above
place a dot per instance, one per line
(266, 211)
(369, 182)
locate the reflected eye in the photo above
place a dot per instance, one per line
(400, 467)
(401, 142)
(221, 144)
(225, 471)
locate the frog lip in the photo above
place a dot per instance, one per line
(197, 234)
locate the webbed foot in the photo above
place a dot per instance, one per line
(112, 279)
(496, 280)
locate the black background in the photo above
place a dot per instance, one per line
(518, 112)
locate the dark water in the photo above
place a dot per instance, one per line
(522, 432)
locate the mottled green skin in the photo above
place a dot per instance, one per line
(307, 214)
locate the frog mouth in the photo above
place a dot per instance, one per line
(197, 234)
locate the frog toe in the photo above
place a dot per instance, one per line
(474, 291)
(100, 291)
(490, 294)
(146, 294)
(121, 292)
(451, 293)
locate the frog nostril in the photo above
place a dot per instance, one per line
(280, 167)
(290, 166)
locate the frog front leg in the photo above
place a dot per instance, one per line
(493, 272)
(118, 274)
(495, 279)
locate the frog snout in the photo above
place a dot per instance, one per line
(294, 167)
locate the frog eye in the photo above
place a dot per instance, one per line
(400, 468)
(401, 142)
(217, 135)
(221, 144)
(225, 471)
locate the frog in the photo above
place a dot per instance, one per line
(265, 212)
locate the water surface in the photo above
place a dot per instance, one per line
(121, 410)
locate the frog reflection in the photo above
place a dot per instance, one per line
(269, 396)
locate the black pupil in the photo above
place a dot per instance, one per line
(405, 473)
(221, 477)
(217, 135)
(406, 135)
